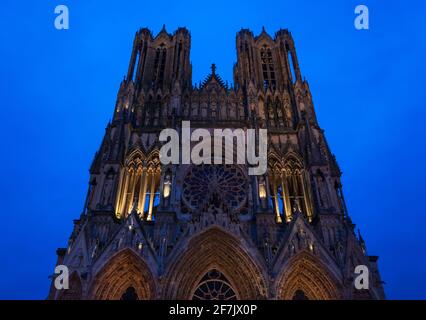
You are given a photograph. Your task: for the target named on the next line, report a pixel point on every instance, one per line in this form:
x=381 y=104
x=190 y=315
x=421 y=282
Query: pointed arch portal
x=306 y=278
x=125 y=276
x=215 y=265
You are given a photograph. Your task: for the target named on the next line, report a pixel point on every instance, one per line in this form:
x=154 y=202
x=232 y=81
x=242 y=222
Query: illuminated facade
x=153 y=231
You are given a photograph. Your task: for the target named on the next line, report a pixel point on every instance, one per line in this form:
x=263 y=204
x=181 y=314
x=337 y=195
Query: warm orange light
x=262 y=191
x=166 y=189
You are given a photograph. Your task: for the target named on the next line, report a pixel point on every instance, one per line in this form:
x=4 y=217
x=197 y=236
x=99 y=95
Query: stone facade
x=153 y=231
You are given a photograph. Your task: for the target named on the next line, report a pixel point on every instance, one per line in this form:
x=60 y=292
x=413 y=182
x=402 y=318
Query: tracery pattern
x=214 y=286
x=206 y=182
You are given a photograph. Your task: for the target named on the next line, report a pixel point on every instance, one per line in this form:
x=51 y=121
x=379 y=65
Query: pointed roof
x=213 y=77
x=163 y=34
x=264 y=36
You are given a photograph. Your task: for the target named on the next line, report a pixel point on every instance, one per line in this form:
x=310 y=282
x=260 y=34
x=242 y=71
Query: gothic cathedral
x=186 y=231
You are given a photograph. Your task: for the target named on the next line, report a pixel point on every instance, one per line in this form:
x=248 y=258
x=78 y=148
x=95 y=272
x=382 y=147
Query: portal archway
x=306 y=274
x=221 y=252
x=123 y=271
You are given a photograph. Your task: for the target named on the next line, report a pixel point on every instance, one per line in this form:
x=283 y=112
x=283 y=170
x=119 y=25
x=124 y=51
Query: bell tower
x=158 y=62
x=266 y=62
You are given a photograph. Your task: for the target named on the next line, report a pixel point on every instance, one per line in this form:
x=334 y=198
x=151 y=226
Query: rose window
x=214 y=286
x=209 y=184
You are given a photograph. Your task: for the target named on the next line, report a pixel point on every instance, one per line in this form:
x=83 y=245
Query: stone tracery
x=205 y=183
x=290 y=190
x=214 y=286
x=139 y=185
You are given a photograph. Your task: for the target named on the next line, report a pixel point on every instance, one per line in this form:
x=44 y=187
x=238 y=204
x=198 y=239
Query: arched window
x=291 y=67
x=268 y=69
x=135 y=67
x=214 y=286
x=291 y=64
x=139 y=186
x=159 y=65
x=156 y=113
x=295 y=181
x=340 y=197
x=290 y=190
x=178 y=62
x=275 y=114
x=152 y=200
x=280 y=195
x=280 y=113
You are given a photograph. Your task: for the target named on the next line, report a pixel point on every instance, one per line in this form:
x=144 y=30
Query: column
x=287 y=203
x=151 y=197
x=304 y=179
x=124 y=193
x=142 y=192
x=277 y=206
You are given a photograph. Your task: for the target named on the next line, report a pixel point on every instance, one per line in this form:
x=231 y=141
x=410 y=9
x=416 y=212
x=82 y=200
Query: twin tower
x=186 y=231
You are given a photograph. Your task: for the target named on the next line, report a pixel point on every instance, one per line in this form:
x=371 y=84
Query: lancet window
x=290 y=191
x=139 y=187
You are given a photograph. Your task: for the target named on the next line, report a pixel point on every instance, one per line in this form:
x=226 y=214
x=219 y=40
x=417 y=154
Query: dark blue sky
x=58 y=89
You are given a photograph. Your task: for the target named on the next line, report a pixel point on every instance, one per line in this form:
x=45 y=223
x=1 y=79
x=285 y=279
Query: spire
x=213 y=76
x=362 y=242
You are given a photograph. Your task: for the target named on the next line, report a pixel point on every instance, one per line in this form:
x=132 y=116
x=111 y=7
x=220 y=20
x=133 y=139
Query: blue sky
x=58 y=89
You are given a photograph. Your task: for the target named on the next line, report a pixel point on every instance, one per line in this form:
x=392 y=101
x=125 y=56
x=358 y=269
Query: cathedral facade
x=186 y=231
